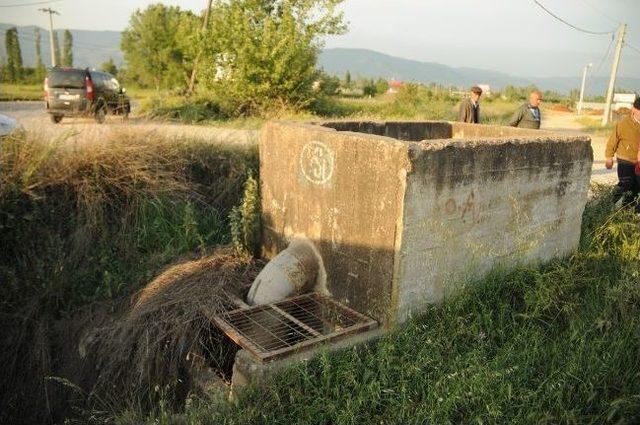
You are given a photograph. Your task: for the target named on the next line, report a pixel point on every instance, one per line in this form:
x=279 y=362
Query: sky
x=512 y=36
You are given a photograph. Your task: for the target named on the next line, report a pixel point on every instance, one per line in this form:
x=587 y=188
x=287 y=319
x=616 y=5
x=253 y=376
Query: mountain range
x=92 y=48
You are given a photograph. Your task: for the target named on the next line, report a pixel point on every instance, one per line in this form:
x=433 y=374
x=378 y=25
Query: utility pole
x=584 y=81
x=51 y=12
x=205 y=24
x=614 y=72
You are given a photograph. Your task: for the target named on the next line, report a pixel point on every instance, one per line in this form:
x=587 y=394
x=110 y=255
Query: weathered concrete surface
x=401 y=221
x=248 y=371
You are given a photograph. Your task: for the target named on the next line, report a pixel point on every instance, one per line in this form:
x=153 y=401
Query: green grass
x=92 y=222
x=414 y=104
x=552 y=344
x=592 y=125
x=14 y=92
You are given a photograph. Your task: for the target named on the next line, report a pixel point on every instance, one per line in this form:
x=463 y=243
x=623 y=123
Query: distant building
x=623 y=100
x=486 y=89
x=394 y=86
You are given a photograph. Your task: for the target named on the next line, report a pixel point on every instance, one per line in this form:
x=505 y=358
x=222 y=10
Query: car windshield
x=66 y=79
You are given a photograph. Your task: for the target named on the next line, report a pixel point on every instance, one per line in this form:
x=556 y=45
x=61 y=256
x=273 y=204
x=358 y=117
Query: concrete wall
x=474 y=205
x=401 y=221
x=344 y=193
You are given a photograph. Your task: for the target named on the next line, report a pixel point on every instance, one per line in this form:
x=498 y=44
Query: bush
x=245 y=220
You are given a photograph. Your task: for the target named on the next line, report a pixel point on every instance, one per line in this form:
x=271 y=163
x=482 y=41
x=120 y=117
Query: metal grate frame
x=296 y=324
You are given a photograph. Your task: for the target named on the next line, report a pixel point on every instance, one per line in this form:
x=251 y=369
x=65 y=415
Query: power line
x=570 y=24
x=614 y=20
x=606 y=55
x=30 y=4
x=632 y=47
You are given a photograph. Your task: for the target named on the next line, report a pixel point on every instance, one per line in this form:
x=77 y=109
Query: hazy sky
x=513 y=36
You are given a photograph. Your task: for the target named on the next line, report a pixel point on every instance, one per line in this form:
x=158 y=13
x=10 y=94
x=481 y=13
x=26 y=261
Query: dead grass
x=91 y=222
x=151 y=349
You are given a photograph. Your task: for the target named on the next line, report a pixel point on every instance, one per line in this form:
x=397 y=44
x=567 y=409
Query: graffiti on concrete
x=317 y=162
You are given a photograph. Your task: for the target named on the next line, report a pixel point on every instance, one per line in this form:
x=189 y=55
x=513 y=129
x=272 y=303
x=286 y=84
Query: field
x=110 y=236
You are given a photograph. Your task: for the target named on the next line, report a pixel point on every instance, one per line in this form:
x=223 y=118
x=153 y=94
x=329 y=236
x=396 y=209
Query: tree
x=56 y=48
x=13 y=68
x=159 y=46
x=262 y=53
x=110 y=67
x=382 y=86
x=369 y=88
x=347 y=79
x=40 y=69
x=67 y=48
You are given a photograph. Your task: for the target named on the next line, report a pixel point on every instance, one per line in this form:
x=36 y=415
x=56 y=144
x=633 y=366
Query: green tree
x=56 y=48
x=159 y=46
x=110 y=67
x=67 y=48
x=347 y=79
x=40 y=69
x=382 y=86
x=262 y=53
x=13 y=68
x=369 y=88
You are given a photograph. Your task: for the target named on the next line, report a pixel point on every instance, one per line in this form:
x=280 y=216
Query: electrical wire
x=30 y=4
x=614 y=20
x=606 y=55
x=570 y=24
x=632 y=47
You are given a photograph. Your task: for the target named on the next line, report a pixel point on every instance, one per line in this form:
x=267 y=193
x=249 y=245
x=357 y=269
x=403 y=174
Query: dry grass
x=151 y=349
x=90 y=222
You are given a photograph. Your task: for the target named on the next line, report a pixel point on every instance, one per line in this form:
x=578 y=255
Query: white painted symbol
x=316 y=163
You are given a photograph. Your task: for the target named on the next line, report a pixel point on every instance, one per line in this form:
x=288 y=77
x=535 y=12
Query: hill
x=90 y=48
x=372 y=64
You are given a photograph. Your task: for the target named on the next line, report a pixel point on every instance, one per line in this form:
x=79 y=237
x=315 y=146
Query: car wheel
x=101 y=114
x=55 y=118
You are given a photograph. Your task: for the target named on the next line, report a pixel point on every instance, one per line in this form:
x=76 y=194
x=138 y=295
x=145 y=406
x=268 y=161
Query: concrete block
x=403 y=212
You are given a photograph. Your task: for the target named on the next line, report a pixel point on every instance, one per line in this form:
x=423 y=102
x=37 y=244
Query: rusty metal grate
x=274 y=330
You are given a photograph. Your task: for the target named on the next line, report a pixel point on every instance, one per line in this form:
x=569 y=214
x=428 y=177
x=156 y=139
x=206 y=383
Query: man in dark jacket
x=470 y=108
x=528 y=115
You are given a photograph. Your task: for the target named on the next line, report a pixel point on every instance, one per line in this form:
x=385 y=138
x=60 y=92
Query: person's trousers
x=628 y=184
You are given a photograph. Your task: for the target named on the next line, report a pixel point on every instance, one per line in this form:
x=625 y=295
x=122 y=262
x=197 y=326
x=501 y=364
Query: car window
x=66 y=78
x=114 y=84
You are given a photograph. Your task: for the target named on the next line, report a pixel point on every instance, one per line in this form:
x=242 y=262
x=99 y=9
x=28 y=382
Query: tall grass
x=81 y=223
x=553 y=344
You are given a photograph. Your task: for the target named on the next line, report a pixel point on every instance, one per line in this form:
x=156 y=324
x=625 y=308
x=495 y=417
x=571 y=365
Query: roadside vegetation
x=557 y=343
x=92 y=222
x=112 y=249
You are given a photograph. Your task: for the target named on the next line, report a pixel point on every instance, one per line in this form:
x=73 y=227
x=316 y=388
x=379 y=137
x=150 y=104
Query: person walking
x=623 y=143
x=470 y=107
x=528 y=115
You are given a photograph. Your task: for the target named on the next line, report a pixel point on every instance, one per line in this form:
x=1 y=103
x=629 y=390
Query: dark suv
x=72 y=92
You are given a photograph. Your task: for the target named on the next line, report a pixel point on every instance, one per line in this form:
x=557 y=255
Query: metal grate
x=274 y=330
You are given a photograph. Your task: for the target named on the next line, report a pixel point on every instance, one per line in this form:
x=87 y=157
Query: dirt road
x=32 y=116
x=565 y=122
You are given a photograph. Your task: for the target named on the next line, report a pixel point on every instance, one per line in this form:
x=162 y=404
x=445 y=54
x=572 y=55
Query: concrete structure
x=404 y=212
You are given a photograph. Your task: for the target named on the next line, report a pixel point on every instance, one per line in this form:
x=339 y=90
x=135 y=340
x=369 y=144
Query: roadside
x=569 y=122
x=33 y=118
